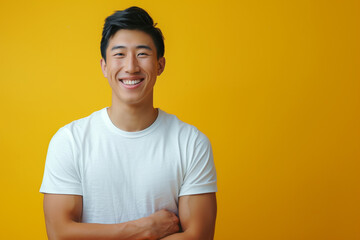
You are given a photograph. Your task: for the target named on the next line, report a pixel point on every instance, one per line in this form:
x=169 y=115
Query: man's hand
x=164 y=223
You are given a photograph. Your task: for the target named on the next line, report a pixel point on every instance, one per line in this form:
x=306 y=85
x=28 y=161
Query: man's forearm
x=158 y=225
x=139 y=229
x=177 y=236
x=186 y=236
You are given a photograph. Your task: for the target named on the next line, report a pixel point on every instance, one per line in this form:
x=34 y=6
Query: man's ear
x=103 y=67
x=161 y=67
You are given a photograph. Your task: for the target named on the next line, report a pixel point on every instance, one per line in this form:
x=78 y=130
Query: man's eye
x=119 y=54
x=143 y=54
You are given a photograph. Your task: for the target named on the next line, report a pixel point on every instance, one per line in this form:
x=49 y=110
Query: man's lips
x=131 y=78
x=131 y=81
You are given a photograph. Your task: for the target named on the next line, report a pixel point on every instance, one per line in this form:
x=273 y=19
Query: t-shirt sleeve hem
x=67 y=191
x=198 y=189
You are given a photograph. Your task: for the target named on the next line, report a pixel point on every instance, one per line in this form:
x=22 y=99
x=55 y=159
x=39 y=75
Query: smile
x=131 y=82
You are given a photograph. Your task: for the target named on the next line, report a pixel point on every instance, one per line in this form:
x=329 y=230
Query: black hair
x=132 y=18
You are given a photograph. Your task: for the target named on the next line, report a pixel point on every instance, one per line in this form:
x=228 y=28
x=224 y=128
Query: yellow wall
x=275 y=85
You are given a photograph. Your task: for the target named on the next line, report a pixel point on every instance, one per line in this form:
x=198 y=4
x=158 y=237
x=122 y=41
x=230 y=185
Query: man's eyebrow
x=137 y=47
x=117 y=47
x=144 y=46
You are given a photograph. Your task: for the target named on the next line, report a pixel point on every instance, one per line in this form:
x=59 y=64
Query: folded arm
x=63 y=221
x=197 y=215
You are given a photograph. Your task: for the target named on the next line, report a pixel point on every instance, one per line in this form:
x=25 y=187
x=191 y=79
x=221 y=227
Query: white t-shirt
x=124 y=176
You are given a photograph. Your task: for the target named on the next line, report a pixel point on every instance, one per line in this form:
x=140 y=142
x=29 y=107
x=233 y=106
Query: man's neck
x=132 y=118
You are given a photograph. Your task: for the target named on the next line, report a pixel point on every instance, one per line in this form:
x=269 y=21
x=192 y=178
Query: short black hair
x=132 y=18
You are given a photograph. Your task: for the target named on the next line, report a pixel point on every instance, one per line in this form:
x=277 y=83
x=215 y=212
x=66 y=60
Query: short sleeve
x=200 y=176
x=61 y=175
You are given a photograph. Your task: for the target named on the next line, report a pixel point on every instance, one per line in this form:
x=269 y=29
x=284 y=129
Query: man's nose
x=131 y=64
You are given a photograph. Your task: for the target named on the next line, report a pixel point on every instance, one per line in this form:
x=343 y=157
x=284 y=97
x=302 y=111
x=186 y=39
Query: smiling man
x=130 y=171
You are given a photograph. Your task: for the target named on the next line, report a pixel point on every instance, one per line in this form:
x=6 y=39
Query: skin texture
x=63 y=216
x=132 y=109
x=197 y=216
x=131 y=54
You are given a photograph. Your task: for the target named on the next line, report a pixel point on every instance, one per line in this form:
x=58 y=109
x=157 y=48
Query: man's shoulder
x=184 y=129
x=82 y=124
x=174 y=121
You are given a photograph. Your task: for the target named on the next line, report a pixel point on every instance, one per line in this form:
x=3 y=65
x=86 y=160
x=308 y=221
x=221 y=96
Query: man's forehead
x=131 y=39
x=136 y=46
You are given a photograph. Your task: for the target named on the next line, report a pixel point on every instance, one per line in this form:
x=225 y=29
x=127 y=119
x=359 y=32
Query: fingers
x=165 y=223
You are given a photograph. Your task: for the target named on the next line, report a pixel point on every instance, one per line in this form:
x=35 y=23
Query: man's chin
x=129 y=101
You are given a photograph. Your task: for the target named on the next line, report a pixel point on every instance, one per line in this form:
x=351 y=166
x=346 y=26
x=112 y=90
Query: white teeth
x=131 y=82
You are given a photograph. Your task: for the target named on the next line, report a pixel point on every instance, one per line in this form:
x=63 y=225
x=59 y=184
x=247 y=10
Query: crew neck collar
x=136 y=134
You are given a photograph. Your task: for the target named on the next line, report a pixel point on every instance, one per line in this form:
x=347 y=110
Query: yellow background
x=275 y=85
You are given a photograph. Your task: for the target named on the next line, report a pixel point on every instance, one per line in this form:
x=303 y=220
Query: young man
x=130 y=171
